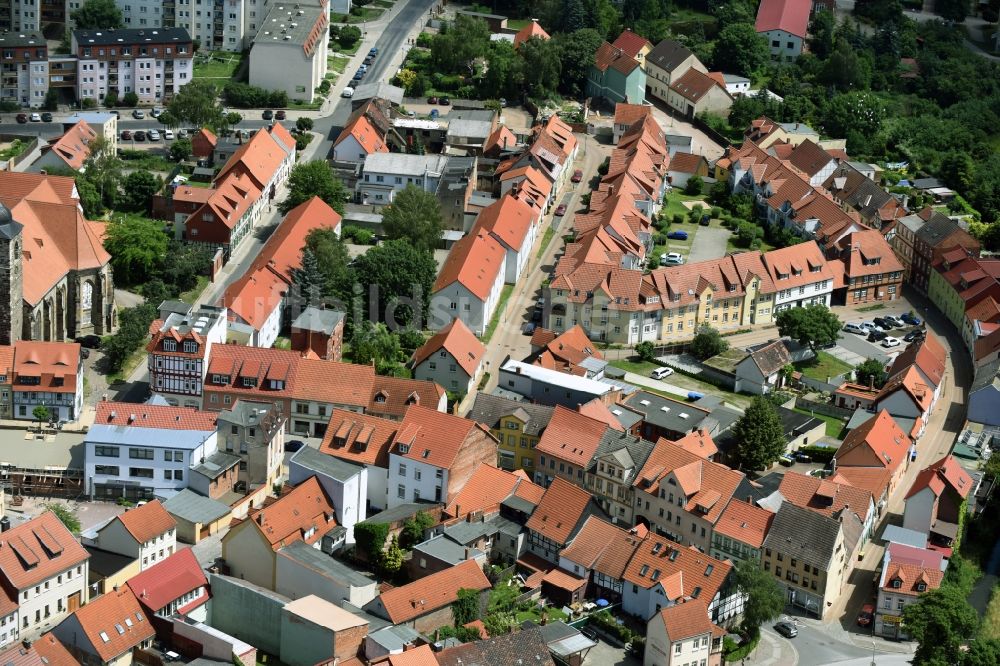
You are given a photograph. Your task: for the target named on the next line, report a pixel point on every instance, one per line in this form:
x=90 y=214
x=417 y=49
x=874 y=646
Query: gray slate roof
x=652 y=406
x=318 y=321
x=804 y=534
x=216 y=464
x=394 y=638
x=937 y=229
x=489 y=409
x=384 y=91
x=668 y=54
x=466 y=532
x=986 y=376
x=194 y=508
x=325 y=565
x=446 y=550
x=629 y=452
x=335 y=468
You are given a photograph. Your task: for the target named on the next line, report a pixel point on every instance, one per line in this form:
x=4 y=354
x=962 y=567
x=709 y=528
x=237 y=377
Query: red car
x=577 y=176
x=866 y=615
x=561 y=210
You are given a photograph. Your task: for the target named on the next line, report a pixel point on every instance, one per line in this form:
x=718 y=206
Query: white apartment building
x=801 y=276
x=147 y=533
x=45 y=568
x=385 y=174
x=153 y=63
x=24 y=68
x=290 y=49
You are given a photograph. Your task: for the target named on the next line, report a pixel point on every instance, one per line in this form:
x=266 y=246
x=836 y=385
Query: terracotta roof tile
x=945 y=473
x=563 y=580
x=391 y=397
x=792 y=16
x=571 y=436
x=744 y=522
x=797 y=265
x=683 y=572
x=169 y=580
x=430 y=593
x=878 y=442
x=289 y=518
x=433 y=437
x=485 y=490
x=699 y=443
x=560 y=511
x=459 y=342
x=147 y=522
x=824 y=496
x=629 y=114
x=686 y=620
x=474 y=262
x=911 y=577
x=873 y=479
x=603 y=547
x=118 y=616
x=46 y=651
x=529 y=31
x=133 y=415
x=610 y=56
x=73 y=146
x=370 y=140
x=693 y=85
x=686 y=162
x=52 y=366
x=359 y=438
x=631 y=43
x=28 y=551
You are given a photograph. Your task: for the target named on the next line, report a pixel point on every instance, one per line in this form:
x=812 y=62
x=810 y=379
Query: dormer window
x=277 y=385
x=404 y=448
x=190 y=347
x=380 y=398
x=222 y=380
x=921 y=587
x=249 y=382
x=897 y=583
x=169 y=345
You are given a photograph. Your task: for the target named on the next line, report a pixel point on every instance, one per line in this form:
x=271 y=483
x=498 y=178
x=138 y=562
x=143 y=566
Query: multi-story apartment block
x=800 y=275
x=872 y=272
x=255 y=431
x=154 y=63
x=179 y=351
x=289 y=52
x=24 y=68
x=21 y=15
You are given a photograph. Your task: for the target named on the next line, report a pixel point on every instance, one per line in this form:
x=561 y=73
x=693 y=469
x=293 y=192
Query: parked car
x=786 y=460
x=444 y=101
x=577 y=176
x=369 y=60
x=884 y=323
x=126 y=135
x=347 y=92
x=705 y=219
x=560 y=210
x=154 y=135
x=138 y=114
x=802 y=457
x=168 y=135
x=528 y=328
x=910 y=319
x=503 y=102
x=156 y=112
x=373 y=51
x=182 y=133
x=678 y=235
x=660 y=373
x=892 y=319
x=139 y=135
x=35 y=118
x=869 y=326
x=357 y=77
x=866 y=615
x=268 y=114
x=876 y=336
x=91 y=341
x=432 y=100
x=293 y=445
x=46 y=117
x=363 y=68
x=280 y=114
x=22 y=118
x=671 y=259
x=855 y=328
x=891 y=342
x=915 y=334
x=786 y=629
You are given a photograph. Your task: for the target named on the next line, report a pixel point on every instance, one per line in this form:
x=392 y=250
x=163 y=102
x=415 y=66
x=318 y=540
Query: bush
x=607 y=623
x=245 y=96
x=822 y=454
x=715 y=212
x=370 y=539
x=694 y=186
x=742 y=652
x=357 y=235
x=645 y=351
x=348 y=36
x=130 y=100
x=111 y=99
x=424 y=40
x=602 y=169
x=89 y=103
x=678 y=218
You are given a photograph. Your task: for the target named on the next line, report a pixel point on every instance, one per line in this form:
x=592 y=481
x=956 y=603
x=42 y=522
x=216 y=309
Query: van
x=660 y=373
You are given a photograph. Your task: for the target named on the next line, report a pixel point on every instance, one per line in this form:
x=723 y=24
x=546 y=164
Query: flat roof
x=288 y=23
x=554 y=377
x=216 y=464
x=194 y=508
x=335 y=468
x=322 y=612
x=326 y=565
x=105 y=563
x=161 y=438
x=64 y=450
x=447 y=550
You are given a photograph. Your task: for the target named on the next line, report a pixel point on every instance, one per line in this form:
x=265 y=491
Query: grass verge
x=219 y=65
x=872 y=308
x=192 y=295
x=337 y=63
x=129 y=366
x=365 y=14
x=508 y=289
x=546 y=239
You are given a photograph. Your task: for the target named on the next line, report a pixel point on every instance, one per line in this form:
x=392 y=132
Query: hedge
x=823 y=454
x=743 y=651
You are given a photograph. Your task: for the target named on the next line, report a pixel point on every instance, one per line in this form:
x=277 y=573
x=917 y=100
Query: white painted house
x=386 y=174
x=470 y=283
x=682 y=635
x=514 y=224
x=801 y=276
x=783 y=23
x=453 y=358
x=345 y=483
x=147 y=533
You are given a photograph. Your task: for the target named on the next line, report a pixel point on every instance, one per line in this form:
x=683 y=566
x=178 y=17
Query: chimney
x=468 y=551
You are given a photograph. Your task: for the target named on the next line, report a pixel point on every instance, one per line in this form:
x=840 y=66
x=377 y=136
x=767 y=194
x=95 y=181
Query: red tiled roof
x=699 y=443
x=38 y=550
x=391 y=397
x=694 y=85
x=434 y=437
x=946 y=472
x=744 y=522
x=601 y=546
x=46 y=651
x=486 y=489
x=571 y=436
x=910 y=381
x=53 y=364
x=824 y=496
x=102 y=618
x=365 y=134
x=147 y=522
x=459 y=342
x=430 y=593
x=560 y=511
x=134 y=415
x=873 y=479
x=911 y=577
x=797 y=265
x=863 y=249
x=418 y=656
x=286 y=520
x=683 y=572
x=359 y=438
x=686 y=620
x=563 y=580
x=629 y=114
x=73 y=146
x=169 y=580
x=475 y=262
x=686 y=162
x=532 y=29
x=632 y=44
x=610 y=56
x=792 y=16
x=878 y=442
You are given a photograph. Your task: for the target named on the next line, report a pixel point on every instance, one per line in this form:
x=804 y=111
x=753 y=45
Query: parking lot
x=855 y=348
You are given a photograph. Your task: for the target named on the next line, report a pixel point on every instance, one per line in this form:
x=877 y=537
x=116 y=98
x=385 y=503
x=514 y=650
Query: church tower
x=11 y=278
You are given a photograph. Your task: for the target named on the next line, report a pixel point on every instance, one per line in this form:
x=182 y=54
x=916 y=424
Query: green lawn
x=508 y=289
x=834 y=426
x=219 y=65
x=384 y=4
x=351 y=50
x=674 y=203
x=535 y=616
x=15 y=148
x=364 y=14
x=308 y=106
x=337 y=63
x=550 y=232
x=823 y=366
x=633 y=364
x=517 y=24
x=194 y=293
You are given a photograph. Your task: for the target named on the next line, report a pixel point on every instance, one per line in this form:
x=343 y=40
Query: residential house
x=935 y=503
x=929 y=358
x=683 y=634
x=879 y=443
x=147 y=533
x=571 y=352
x=626 y=115
x=829 y=498
x=487 y=489
x=903 y=240
x=855 y=396
x=301 y=571
x=197 y=516
x=853 y=187
x=439 y=553
x=872 y=272
x=359 y=139
x=203 y=143
x=45 y=573
x=960 y=283
x=517 y=426
x=981 y=320
x=529 y=182
x=558 y=518
x=345 y=484
x=551 y=387
x=682 y=495
x=363 y=440
x=531 y=30
x=320 y=332
x=908 y=399
x=304 y=513
x=568 y=446
x=811 y=555
x=616 y=76
x=600 y=553
x=763 y=132
x=469 y=283
x=801 y=276
x=266 y=297
x=695 y=93
x=426 y=604
x=684 y=165
x=938 y=234
x=635 y=46
x=175 y=585
x=68 y=151
x=48 y=375
x=610 y=473
x=46 y=651
x=809 y=158
x=107 y=630
x=26 y=51
x=254 y=431
x=901 y=583
x=663 y=573
x=386 y=174
x=740 y=532
x=434 y=455
x=528 y=643
x=138 y=451
x=294 y=60
x=761 y=371
x=660 y=417
x=665 y=63
x=179 y=349
x=216 y=476
x=784 y=24
x=513 y=223
x=452 y=357
x=106 y=570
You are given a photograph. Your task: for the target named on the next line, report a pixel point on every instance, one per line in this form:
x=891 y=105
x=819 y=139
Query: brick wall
x=480 y=447
x=426 y=624
x=347 y=643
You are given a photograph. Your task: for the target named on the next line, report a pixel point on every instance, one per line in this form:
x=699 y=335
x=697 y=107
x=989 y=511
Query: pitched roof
x=430 y=593
x=73 y=146
x=459 y=342
x=287 y=519
x=668 y=54
x=927 y=355
x=684 y=572
x=508 y=219
x=682 y=162
x=686 y=620
x=486 y=489
x=808 y=157
x=564 y=352
x=694 y=85
x=571 y=436
x=698 y=442
x=910 y=382
x=51 y=365
x=631 y=43
x=474 y=262
x=532 y=29
x=945 y=473
x=611 y=56
x=873 y=479
x=797 y=265
x=114 y=623
x=911 y=577
x=867 y=252
x=805 y=534
x=359 y=438
x=628 y=114
x=488 y=409
x=527 y=646
x=168 y=580
x=878 y=442
x=46 y=651
x=770 y=357
x=365 y=134
x=165 y=417
x=823 y=495
x=562 y=507
x=792 y=16
x=432 y=437
x=419 y=656
x=392 y=396
x=601 y=546
x=147 y=522
x=744 y=522
x=37 y=550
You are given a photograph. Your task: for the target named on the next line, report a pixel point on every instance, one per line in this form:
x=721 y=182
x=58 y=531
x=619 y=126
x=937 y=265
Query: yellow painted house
x=517 y=426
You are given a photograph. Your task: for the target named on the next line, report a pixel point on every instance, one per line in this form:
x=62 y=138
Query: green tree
x=455 y=49
x=940 y=621
x=90 y=197
x=505 y=74
x=103 y=168
x=333 y=260
x=576 y=56
x=137 y=246
x=374 y=344
x=98 y=15
x=871 y=372
x=181 y=150
x=398 y=279
x=694 y=185
x=952 y=10
x=813 y=325
x=111 y=98
x=304 y=124
x=66 y=516
x=645 y=351
x=846 y=69
x=541 y=66
x=196 y=104
x=415 y=216
x=130 y=100
x=314 y=179
x=759 y=435
x=392 y=559
x=466 y=606
x=741 y=50
x=167 y=120
x=764 y=598
x=349 y=36
x=414 y=529
x=369 y=539
x=707 y=343
x=41 y=414
x=51 y=102
x=138 y=189
x=981 y=652
x=308 y=280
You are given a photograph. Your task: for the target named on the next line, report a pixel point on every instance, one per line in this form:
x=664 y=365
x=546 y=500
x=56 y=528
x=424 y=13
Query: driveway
x=861 y=349
x=605 y=654
x=708 y=243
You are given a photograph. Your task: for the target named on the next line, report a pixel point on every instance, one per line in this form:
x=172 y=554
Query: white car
x=182 y=134
x=156 y=112
x=891 y=342
x=154 y=135
x=168 y=135
x=348 y=92
x=660 y=373
x=36 y=118
x=671 y=259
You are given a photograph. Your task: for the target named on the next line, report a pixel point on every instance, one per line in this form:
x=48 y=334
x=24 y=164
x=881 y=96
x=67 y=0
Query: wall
x=246 y=613
x=55 y=596
x=446 y=372
x=295 y=580
x=824 y=408
x=249 y=556
x=348 y=497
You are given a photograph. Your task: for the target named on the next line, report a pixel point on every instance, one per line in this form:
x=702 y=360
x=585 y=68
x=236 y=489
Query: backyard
x=685 y=382
x=823 y=366
x=217 y=65
x=834 y=426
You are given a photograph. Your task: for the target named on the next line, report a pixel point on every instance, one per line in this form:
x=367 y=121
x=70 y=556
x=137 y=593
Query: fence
x=820 y=385
x=824 y=408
